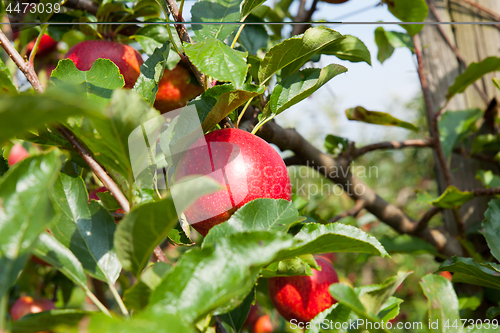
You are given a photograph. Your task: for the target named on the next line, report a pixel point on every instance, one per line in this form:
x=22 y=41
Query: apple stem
x=118 y=299
x=37 y=43
x=243 y=112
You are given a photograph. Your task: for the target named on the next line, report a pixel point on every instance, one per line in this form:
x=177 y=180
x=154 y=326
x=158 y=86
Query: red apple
x=93 y=194
x=176 y=88
x=125 y=57
x=447 y=275
x=304 y=297
x=25 y=305
x=263 y=325
x=17 y=154
x=253 y=316
x=247 y=166
x=331 y=257
x=46 y=46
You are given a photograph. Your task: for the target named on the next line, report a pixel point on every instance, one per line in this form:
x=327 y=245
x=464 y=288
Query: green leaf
x=387 y=41
x=253 y=37
x=151 y=72
x=108 y=201
x=298 y=86
x=337 y=313
x=455 y=125
x=137 y=296
x=50 y=250
x=374 y=297
x=259 y=214
x=237 y=317
x=468 y=271
x=37 y=110
x=25 y=211
x=409 y=11
x=218 y=60
x=4 y=164
x=491 y=227
x=496 y=83
x=390 y=309
x=6 y=83
x=442 y=302
x=316 y=238
x=346 y=296
x=215 y=11
x=219 y=101
x=141 y=322
x=295 y=51
x=217 y=278
x=486 y=142
x=85 y=228
x=47 y=320
x=452 y=197
x=336 y=144
x=350 y=48
x=98 y=82
x=488 y=178
x=148 y=44
x=407 y=244
x=287 y=267
x=474 y=72
x=110 y=134
x=385 y=48
x=141 y=231
x=378 y=118
x=247 y=6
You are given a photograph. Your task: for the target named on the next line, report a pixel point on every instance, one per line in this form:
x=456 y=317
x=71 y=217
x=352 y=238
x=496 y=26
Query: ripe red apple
x=303 y=297
x=46 y=46
x=125 y=57
x=176 y=88
x=331 y=257
x=247 y=166
x=263 y=325
x=25 y=305
x=17 y=154
x=447 y=275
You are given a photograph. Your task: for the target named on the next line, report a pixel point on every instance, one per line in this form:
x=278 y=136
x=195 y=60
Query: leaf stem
x=262 y=123
x=243 y=112
x=3 y=311
x=181 y=6
x=98 y=303
x=237 y=35
x=37 y=43
x=118 y=299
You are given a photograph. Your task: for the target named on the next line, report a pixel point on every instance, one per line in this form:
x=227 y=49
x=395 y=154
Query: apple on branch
x=26 y=305
x=302 y=298
x=247 y=166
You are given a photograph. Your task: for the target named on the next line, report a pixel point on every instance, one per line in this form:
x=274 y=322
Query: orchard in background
x=112 y=221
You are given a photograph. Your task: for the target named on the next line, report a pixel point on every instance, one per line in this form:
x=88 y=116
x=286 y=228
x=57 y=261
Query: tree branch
x=303 y=16
x=433 y=125
x=391 y=145
x=484 y=9
x=424 y=220
x=338 y=170
x=219 y=328
x=354 y=211
x=23 y=65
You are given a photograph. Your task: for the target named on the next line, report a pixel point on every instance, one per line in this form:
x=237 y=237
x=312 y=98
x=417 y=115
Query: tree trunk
x=475 y=43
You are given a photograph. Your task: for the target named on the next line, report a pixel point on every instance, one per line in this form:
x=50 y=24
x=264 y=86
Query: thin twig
x=457 y=53
x=486 y=192
x=23 y=65
x=160 y=256
x=424 y=220
x=392 y=145
x=433 y=125
x=354 y=211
